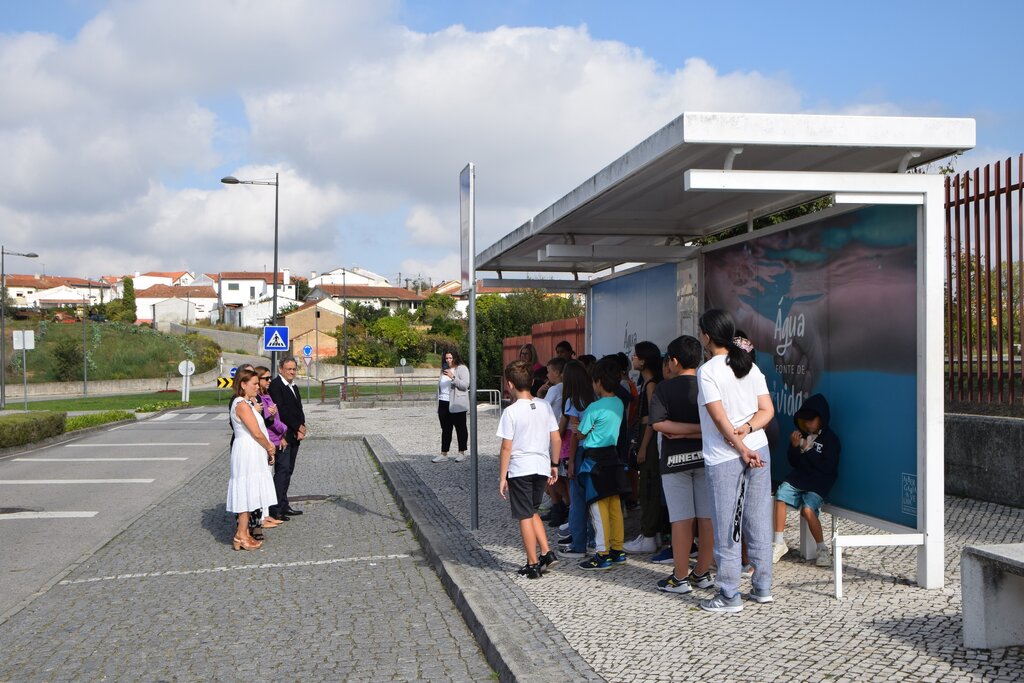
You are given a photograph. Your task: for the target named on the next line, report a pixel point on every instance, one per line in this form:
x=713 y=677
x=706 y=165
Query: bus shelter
x=847 y=301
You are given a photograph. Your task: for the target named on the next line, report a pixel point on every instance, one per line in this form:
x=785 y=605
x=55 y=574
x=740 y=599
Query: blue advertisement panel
x=635 y=307
x=831 y=307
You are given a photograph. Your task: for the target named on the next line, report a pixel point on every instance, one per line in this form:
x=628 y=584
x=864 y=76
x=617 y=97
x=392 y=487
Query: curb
x=519 y=642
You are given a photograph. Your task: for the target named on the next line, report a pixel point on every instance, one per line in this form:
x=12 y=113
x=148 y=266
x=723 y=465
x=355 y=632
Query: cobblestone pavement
x=341 y=593
x=885 y=629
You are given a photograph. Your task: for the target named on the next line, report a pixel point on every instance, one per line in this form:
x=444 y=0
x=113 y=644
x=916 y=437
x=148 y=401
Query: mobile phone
x=444 y=364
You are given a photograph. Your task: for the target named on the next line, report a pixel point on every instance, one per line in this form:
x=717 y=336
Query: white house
x=25 y=290
x=200 y=301
x=391 y=298
x=180 y=278
x=254 y=315
x=349 y=276
x=243 y=288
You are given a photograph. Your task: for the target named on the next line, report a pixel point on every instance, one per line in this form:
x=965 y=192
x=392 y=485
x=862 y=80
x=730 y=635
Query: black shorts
x=525 y=494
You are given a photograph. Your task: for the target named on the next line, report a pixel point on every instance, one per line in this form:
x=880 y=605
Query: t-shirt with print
x=601 y=421
x=676 y=400
x=554 y=399
x=528 y=424
x=717 y=382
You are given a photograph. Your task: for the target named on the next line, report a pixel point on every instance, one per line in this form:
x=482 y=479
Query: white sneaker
x=747 y=571
x=641 y=544
x=564 y=528
x=778 y=550
x=440 y=458
x=824 y=558
x=461 y=456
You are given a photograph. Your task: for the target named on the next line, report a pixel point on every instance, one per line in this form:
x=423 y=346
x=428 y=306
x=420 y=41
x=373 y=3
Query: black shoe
x=292 y=511
x=530 y=571
x=547 y=560
x=281 y=517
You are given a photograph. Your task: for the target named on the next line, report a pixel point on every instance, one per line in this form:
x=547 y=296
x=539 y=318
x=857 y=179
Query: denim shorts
x=795 y=498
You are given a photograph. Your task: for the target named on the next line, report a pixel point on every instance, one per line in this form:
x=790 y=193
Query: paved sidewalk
x=886 y=628
x=341 y=593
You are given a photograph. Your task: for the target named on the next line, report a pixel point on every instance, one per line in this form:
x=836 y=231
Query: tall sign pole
x=467 y=224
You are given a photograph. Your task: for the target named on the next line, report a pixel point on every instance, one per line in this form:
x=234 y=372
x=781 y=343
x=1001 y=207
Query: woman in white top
x=735 y=407
x=250 y=485
x=452 y=405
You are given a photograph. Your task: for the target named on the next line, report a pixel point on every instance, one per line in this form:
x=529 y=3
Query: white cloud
x=118 y=136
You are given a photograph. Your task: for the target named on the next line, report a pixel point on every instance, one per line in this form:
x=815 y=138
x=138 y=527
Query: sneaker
x=641 y=544
x=564 y=540
x=547 y=560
x=461 y=457
x=440 y=458
x=720 y=603
x=617 y=556
x=778 y=550
x=761 y=595
x=598 y=561
x=570 y=554
x=530 y=571
x=674 y=585
x=663 y=556
x=824 y=558
x=564 y=529
x=704 y=580
x=747 y=571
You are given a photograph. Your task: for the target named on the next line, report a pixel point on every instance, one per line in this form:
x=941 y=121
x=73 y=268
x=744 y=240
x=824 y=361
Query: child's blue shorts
x=795 y=498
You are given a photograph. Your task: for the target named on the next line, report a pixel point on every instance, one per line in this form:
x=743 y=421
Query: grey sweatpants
x=723 y=487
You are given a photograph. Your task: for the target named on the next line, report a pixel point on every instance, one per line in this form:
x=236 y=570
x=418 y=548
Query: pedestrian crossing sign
x=275 y=338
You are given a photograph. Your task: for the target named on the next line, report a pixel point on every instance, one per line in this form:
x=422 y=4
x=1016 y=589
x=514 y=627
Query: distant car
x=98 y=317
x=62 y=317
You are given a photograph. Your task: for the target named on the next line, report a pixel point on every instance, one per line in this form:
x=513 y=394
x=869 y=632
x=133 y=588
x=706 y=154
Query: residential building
x=25 y=291
x=241 y=288
x=180 y=278
x=304 y=327
x=349 y=276
x=392 y=299
x=199 y=300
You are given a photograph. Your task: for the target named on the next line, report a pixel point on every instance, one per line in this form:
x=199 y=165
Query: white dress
x=251 y=485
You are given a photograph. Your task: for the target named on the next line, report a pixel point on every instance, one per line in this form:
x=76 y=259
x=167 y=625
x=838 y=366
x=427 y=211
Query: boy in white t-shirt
x=530 y=447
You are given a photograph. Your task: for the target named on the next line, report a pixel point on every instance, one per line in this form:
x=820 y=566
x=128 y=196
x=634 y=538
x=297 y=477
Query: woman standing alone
x=452 y=405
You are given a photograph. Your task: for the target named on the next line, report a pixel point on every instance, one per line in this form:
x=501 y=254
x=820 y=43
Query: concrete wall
x=15 y=393
x=983 y=458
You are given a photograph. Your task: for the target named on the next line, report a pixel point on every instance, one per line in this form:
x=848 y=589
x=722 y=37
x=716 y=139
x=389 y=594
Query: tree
x=124 y=311
x=301 y=288
x=399 y=335
x=499 y=317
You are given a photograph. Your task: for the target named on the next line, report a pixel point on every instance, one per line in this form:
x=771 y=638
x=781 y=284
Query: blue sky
x=124 y=115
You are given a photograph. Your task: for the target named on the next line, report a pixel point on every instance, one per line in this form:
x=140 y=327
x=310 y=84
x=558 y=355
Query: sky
x=118 y=118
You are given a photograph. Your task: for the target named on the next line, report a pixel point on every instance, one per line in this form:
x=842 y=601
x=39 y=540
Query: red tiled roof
x=168 y=291
x=243 y=275
x=50 y=281
x=368 y=292
x=173 y=276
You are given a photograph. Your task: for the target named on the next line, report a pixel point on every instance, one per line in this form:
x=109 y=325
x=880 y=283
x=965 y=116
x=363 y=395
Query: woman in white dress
x=251 y=486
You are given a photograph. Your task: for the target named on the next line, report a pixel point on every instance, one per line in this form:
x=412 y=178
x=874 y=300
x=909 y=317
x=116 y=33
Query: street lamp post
x=344 y=333
x=231 y=180
x=3 y=320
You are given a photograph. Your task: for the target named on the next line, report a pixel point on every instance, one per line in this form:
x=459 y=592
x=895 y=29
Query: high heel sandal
x=242 y=544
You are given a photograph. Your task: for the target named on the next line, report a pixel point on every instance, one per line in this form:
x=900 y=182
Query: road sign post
x=186 y=369
x=25 y=340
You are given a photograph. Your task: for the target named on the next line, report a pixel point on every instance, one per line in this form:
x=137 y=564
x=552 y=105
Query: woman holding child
x=735 y=407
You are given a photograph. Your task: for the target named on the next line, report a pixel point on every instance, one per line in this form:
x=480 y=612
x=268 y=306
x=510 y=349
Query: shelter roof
x=636 y=210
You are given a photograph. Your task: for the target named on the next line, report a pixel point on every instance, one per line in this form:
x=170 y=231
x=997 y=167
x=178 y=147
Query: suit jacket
x=289 y=405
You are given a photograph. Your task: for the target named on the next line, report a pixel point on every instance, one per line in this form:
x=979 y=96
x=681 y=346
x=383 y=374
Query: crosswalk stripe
x=46 y=515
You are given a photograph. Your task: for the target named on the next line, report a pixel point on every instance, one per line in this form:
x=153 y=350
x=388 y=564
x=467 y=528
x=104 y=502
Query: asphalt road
x=60 y=503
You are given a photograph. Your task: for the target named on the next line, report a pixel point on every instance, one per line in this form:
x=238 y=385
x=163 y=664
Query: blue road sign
x=232 y=373
x=275 y=338
x=307 y=350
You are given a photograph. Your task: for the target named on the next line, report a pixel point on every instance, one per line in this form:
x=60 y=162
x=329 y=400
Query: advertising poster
x=635 y=307
x=831 y=307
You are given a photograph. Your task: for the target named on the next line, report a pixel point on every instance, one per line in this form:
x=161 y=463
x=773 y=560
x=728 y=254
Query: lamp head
x=229 y=180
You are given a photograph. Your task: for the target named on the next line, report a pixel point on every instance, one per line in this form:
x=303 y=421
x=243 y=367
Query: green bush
x=95 y=419
x=161 y=405
x=24 y=428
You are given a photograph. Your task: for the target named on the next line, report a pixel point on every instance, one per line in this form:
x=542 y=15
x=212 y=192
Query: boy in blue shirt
x=602 y=472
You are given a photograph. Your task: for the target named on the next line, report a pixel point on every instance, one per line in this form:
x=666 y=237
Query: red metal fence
x=544 y=337
x=984 y=267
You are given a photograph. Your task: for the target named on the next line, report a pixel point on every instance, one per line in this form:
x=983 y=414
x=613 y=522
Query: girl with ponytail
x=735 y=407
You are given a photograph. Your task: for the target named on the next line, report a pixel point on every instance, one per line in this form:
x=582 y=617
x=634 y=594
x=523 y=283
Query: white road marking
x=213 y=570
x=76 y=481
x=93 y=459
x=131 y=445
x=45 y=515
x=161 y=418
x=193 y=417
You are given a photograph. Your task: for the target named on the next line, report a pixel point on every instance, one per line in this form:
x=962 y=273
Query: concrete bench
x=992 y=588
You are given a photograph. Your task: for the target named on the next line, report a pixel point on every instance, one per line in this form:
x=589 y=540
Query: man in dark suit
x=285 y=394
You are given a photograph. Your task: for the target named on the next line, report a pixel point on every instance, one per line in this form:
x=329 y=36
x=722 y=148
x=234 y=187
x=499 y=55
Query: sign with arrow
x=275 y=338
x=225 y=382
